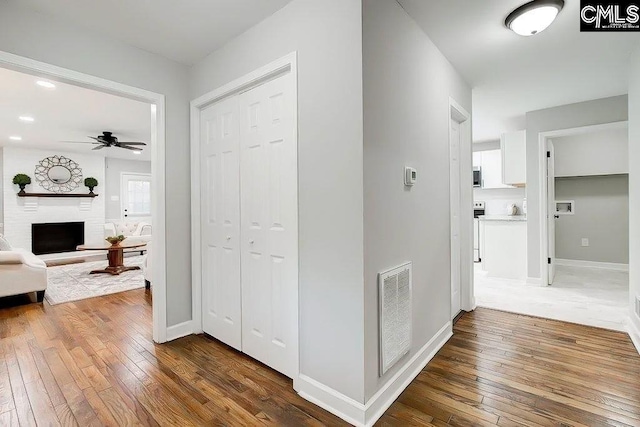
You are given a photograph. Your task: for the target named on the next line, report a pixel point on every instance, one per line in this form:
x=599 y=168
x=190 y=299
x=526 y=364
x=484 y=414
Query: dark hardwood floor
x=93 y=362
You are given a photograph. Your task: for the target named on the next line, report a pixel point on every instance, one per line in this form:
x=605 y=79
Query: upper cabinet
x=490 y=163
x=514 y=158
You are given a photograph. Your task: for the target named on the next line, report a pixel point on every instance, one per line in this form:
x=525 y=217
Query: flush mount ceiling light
x=45 y=84
x=533 y=17
x=15 y=138
x=26 y=118
x=137 y=152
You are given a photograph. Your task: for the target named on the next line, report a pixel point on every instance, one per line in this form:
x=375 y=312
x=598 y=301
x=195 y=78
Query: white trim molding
x=633 y=328
x=592 y=264
x=180 y=330
x=367 y=414
x=157 y=117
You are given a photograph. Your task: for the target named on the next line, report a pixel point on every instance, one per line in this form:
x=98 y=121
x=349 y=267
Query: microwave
x=477 y=176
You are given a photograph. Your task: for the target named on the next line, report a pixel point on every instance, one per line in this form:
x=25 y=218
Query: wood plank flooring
x=93 y=362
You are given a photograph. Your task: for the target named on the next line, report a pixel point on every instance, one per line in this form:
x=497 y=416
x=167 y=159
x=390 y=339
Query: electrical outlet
x=585 y=242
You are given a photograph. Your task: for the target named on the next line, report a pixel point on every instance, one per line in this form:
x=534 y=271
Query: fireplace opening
x=58 y=237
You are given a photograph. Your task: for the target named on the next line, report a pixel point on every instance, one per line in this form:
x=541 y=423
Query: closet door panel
x=269 y=225
x=220 y=222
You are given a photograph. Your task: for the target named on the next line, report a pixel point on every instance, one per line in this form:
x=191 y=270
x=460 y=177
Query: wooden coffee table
x=115 y=255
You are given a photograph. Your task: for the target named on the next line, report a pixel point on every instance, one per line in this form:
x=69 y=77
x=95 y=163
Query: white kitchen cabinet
x=503 y=245
x=491 y=168
x=513 y=146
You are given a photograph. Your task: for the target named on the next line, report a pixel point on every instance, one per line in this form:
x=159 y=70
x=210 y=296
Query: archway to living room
x=82 y=192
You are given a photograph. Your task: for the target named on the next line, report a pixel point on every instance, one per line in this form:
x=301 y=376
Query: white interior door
x=135 y=196
x=220 y=222
x=454 y=184
x=269 y=239
x=551 y=211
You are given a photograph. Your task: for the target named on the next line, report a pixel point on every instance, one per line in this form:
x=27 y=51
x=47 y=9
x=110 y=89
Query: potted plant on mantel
x=22 y=181
x=91 y=182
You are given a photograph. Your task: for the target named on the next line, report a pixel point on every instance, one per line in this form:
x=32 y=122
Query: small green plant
x=114 y=240
x=91 y=182
x=22 y=181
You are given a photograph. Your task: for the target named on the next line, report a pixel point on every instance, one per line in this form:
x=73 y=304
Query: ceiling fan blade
x=99 y=147
x=129 y=147
x=132 y=143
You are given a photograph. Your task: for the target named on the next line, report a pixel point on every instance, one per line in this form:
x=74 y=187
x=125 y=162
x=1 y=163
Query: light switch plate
x=585 y=242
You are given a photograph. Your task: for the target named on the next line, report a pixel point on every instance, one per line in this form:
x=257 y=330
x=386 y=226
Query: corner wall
x=599 y=111
x=634 y=195
x=46 y=39
x=407 y=85
x=327 y=36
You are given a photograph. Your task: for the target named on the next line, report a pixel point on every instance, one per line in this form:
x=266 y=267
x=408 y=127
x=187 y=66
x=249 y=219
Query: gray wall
x=48 y=40
x=1 y=192
x=327 y=36
x=601 y=214
x=634 y=186
x=599 y=111
x=407 y=85
x=113 y=170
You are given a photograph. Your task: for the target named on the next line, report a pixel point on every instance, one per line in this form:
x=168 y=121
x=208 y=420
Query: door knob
x=556 y=216
x=251 y=242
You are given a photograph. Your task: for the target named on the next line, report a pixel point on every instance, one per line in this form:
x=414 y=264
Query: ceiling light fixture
x=533 y=17
x=45 y=84
x=26 y=119
x=15 y=138
x=137 y=152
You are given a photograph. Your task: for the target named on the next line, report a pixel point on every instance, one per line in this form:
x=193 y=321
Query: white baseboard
x=633 y=327
x=592 y=264
x=367 y=414
x=180 y=330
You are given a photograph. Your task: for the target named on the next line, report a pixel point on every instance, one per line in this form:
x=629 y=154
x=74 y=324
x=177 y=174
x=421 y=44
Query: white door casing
x=220 y=221
x=454 y=201
x=269 y=224
x=551 y=212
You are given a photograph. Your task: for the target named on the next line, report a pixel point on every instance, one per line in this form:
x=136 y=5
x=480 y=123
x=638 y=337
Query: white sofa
x=22 y=272
x=140 y=231
x=146 y=268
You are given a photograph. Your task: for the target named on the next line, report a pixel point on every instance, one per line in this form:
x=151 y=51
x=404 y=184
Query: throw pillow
x=4 y=244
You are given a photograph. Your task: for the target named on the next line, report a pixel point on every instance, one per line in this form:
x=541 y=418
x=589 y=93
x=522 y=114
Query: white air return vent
x=395 y=315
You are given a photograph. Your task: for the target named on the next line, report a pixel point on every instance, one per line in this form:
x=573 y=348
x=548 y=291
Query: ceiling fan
x=108 y=140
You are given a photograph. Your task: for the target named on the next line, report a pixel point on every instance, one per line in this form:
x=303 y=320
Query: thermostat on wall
x=410 y=175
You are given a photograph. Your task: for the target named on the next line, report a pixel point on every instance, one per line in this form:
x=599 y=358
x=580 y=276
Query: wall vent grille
x=395 y=315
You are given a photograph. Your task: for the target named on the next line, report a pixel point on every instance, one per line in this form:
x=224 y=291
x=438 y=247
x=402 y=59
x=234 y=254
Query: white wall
x=407 y=85
x=599 y=111
x=327 y=36
x=111 y=188
x=1 y=192
x=634 y=191
x=596 y=153
x=21 y=212
x=91 y=52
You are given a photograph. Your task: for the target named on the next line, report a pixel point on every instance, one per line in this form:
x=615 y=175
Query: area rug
x=72 y=282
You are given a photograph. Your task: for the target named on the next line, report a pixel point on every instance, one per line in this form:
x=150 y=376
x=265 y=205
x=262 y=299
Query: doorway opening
x=76 y=199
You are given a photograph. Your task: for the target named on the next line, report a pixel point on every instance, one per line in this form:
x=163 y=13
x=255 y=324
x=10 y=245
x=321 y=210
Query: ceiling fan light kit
x=533 y=17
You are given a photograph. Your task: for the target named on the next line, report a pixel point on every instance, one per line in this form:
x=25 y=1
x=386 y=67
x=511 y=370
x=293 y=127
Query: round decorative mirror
x=58 y=174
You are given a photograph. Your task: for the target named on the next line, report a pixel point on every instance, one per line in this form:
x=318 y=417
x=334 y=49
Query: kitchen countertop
x=502 y=218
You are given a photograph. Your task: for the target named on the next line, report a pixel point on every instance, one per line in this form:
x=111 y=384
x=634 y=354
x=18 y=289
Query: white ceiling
x=69 y=113
x=512 y=75
x=185 y=31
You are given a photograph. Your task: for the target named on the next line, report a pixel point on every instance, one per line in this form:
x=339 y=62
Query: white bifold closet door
x=266 y=294
x=220 y=222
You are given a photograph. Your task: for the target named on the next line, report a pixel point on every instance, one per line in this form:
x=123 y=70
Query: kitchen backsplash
x=497 y=199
